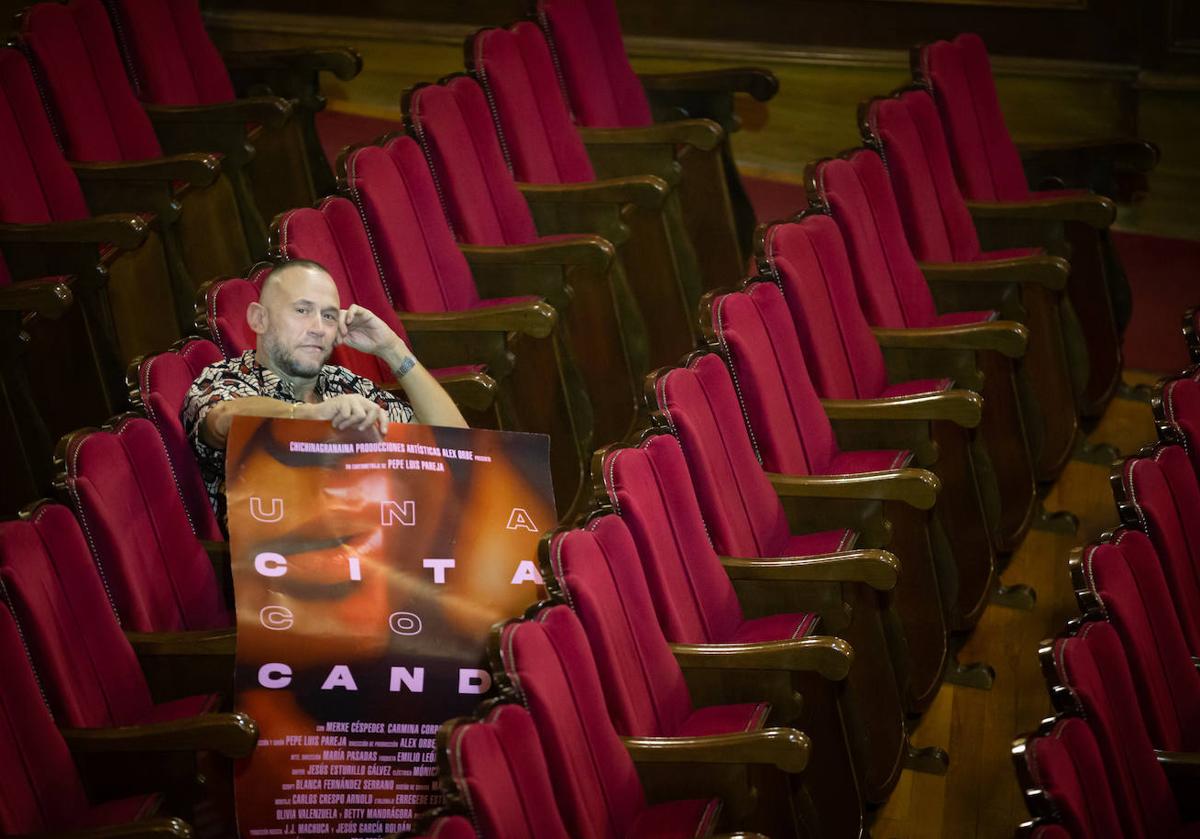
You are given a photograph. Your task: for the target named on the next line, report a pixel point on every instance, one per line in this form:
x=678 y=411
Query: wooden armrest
x=1090 y=209
x=1043 y=270
x=1006 y=337
x=703 y=134
x=179 y=664
x=962 y=407
x=916 y=487
x=264 y=110
x=645 y=191
x=592 y=252
x=823 y=654
x=1183 y=773
x=47 y=296
x=759 y=83
x=124 y=230
x=473 y=391
x=194 y=167
x=232 y=735
x=784 y=748
x=877 y=568
x=534 y=318
x=142 y=829
x=218 y=555
x=198 y=642
x=1130 y=153
x=343 y=62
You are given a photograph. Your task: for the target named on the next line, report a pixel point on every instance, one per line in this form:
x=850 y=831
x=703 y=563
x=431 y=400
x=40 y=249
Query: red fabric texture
x=909 y=132
x=600 y=573
x=1181 y=407
x=450 y=827
x=1069 y=766
x=549 y=662
x=500 y=772
x=603 y=90
x=174 y=61
x=1163 y=492
x=157 y=573
x=36 y=184
x=515 y=69
x=99 y=117
x=1093 y=666
x=744 y=515
x=453 y=124
x=226 y=314
x=1127 y=578
x=163 y=382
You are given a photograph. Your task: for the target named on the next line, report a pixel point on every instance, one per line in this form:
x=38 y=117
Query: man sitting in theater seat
x=298 y=322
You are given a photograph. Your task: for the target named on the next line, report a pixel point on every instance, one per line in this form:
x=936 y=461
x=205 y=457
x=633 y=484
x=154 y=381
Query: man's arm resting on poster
x=346 y=411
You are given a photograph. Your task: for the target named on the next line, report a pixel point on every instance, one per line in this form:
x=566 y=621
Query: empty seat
x=696 y=603
x=516 y=67
x=604 y=92
x=597 y=571
x=1157 y=492
x=906 y=131
x=159 y=384
x=894 y=294
x=1120 y=578
x=450 y=827
x=546 y=663
x=1177 y=414
x=156 y=570
x=43 y=791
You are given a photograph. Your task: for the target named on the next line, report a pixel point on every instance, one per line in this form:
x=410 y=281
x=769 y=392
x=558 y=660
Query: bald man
x=298 y=321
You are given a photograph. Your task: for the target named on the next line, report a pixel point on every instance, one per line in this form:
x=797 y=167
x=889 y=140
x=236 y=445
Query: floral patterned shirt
x=243 y=376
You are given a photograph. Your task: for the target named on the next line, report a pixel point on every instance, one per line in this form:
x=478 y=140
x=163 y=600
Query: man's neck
x=302 y=387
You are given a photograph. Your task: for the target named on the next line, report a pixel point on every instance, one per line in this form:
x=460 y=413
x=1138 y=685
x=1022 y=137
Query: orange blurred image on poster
x=367 y=574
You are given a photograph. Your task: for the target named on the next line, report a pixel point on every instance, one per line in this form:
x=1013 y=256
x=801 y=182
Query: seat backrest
x=743 y=513
x=41 y=787
x=598 y=570
x=907 y=131
x=495 y=767
x=225 y=304
x=171 y=58
x=1178 y=409
x=156 y=571
x=36 y=184
x=986 y=160
x=651 y=488
x=516 y=72
x=589 y=53
x=548 y=662
x=80 y=68
x=453 y=124
x=1092 y=665
x=1158 y=494
x=1125 y=576
x=88 y=671
x=855 y=190
x=423 y=270
x=758 y=338
x=808 y=260
x=332 y=234
x=163 y=380
x=1066 y=764
x=451 y=827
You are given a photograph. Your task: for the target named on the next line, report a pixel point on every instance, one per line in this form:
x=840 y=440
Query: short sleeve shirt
x=235 y=378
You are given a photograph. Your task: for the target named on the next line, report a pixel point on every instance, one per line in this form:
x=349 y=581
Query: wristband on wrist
x=407 y=364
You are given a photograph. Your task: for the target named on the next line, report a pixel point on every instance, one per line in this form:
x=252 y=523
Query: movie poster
x=367 y=574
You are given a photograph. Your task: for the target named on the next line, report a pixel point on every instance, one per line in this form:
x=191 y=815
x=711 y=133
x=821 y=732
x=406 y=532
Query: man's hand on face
x=362 y=330
x=349 y=411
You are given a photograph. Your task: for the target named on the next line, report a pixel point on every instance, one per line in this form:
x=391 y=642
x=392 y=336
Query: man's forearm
x=215 y=430
x=430 y=403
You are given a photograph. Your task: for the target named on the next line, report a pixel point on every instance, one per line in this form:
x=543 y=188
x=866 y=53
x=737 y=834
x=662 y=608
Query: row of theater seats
x=1119 y=758
x=846 y=413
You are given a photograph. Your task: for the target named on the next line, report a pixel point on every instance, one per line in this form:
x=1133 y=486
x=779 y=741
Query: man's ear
x=256 y=317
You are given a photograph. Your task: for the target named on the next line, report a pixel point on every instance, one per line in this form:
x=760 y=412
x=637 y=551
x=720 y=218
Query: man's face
x=299 y=321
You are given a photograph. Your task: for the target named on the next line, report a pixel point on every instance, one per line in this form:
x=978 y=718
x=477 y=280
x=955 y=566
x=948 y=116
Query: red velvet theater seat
x=906 y=131
x=546 y=664
x=1177 y=414
x=1065 y=778
x=1121 y=579
x=1158 y=493
x=158 y=575
x=753 y=330
x=43 y=792
x=160 y=383
x=516 y=68
x=694 y=598
x=597 y=571
x=449 y=827
x=1088 y=675
x=895 y=295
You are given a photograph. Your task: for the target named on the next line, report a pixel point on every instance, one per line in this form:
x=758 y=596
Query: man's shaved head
x=277 y=277
x=296 y=318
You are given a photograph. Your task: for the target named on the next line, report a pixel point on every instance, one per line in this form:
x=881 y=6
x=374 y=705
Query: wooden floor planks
x=979 y=796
